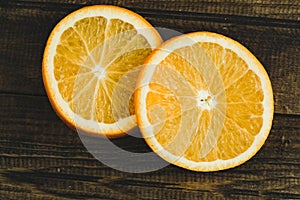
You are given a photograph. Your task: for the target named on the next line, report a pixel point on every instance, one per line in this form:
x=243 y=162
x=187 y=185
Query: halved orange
x=204 y=102
x=86 y=63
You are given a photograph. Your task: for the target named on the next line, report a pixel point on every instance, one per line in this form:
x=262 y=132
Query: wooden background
x=41 y=158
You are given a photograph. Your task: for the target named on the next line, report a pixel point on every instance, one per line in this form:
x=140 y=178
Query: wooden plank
x=25 y=26
x=40 y=157
x=284 y=9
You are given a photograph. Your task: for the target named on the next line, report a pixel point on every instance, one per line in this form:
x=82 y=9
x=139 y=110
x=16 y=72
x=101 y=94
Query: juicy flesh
x=92 y=63
x=204 y=103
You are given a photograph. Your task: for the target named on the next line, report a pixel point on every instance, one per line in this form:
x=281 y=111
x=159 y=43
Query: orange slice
x=204 y=102
x=87 y=55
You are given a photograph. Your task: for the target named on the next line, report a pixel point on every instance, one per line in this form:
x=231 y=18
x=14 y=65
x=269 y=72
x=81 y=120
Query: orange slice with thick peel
x=90 y=65
x=204 y=102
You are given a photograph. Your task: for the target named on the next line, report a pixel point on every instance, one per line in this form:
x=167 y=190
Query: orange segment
x=103 y=111
x=198 y=137
x=85 y=66
x=93 y=36
x=83 y=96
x=177 y=62
x=230 y=66
x=204 y=102
x=247 y=89
x=161 y=104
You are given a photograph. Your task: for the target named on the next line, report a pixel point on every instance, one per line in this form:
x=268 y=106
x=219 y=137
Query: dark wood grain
x=41 y=158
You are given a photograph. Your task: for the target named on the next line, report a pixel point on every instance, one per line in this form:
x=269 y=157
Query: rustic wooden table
x=41 y=158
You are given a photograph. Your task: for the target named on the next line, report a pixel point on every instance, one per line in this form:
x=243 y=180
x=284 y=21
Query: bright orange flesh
x=204 y=103
x=86 y=61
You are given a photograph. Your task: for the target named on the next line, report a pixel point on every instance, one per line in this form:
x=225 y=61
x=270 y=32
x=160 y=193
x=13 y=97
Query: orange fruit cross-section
x=90 y=65
x=204 y=102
